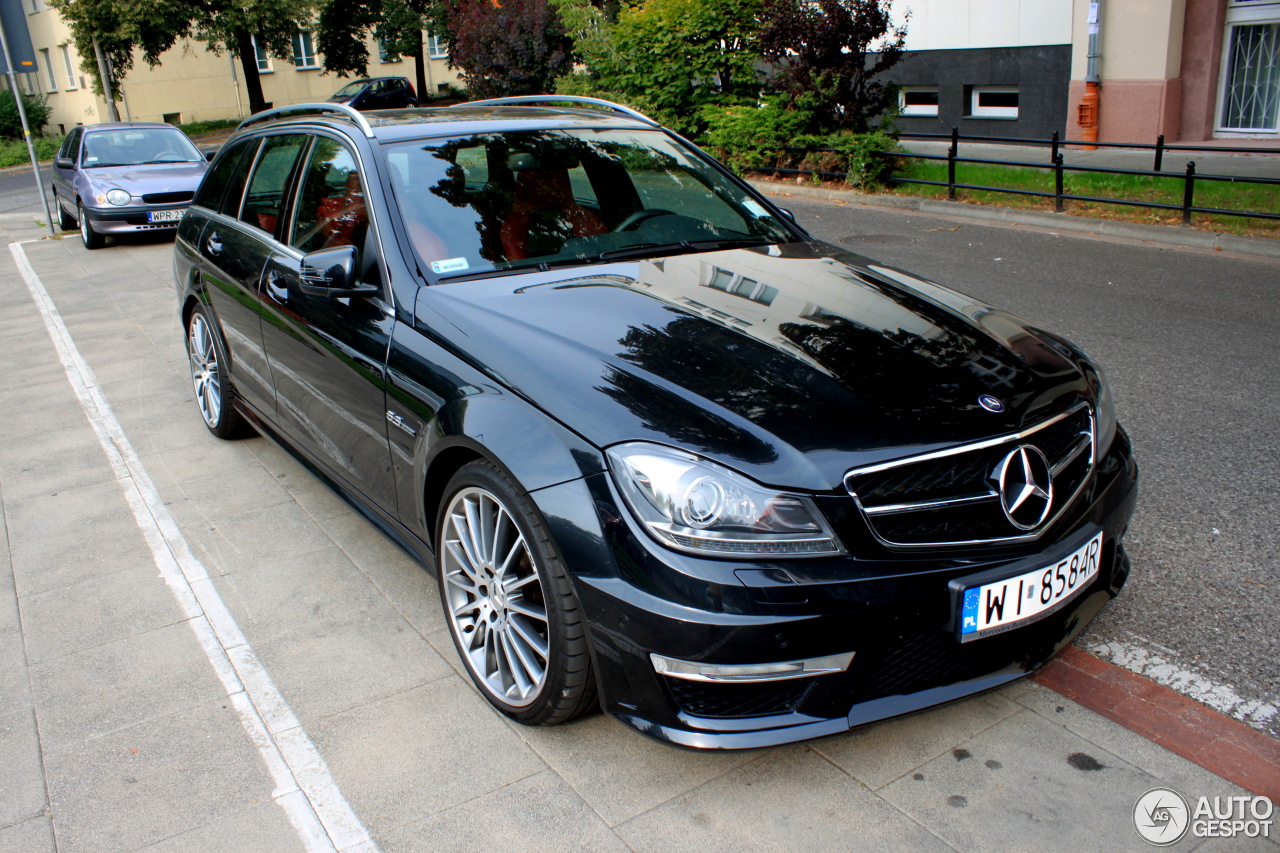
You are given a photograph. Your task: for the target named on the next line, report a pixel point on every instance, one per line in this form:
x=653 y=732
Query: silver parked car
x=125 y=177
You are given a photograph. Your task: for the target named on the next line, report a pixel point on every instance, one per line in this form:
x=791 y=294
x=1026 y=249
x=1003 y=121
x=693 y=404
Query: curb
x=1187 y=238
x=1219 y=744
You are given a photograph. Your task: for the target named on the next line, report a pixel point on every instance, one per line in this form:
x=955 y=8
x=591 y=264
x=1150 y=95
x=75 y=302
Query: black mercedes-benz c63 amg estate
x=663 y=451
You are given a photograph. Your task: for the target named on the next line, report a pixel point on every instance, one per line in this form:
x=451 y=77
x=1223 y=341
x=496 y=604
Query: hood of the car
x=150 y=178
x=791 y=363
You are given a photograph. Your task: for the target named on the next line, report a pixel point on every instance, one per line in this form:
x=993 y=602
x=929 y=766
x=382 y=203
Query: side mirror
x=64 y=163
x=333 y=273
x=209 y=153
x=788 y=214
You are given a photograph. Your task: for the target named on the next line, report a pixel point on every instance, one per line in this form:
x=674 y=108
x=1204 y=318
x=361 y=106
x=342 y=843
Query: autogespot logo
x=1161 y=816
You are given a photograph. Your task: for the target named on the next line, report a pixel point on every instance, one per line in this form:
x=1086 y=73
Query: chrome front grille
x=952 y=496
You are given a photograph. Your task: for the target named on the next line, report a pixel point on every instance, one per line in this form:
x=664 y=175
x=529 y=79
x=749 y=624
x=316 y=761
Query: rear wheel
x=207 y=357
x=91 y=239
x=507 y=598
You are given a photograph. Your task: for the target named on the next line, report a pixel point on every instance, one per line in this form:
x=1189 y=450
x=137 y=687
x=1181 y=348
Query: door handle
x=214 y=244
x=278 y=288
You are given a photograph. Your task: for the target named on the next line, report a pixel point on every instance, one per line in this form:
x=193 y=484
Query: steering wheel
x=168 y=155
x=640 y=216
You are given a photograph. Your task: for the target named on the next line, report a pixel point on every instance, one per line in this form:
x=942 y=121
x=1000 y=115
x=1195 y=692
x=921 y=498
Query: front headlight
x=117 y=197
x=694 y=505
x=1106 y=413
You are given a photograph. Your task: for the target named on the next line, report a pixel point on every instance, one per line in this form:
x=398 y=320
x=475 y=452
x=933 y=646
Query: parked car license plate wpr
x=996 y=607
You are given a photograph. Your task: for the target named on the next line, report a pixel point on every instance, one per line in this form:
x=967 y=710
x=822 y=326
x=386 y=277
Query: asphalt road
x=18 y=190
x=1189 y=341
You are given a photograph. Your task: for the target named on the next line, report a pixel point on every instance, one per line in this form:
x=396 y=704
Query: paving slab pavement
x=121 y=729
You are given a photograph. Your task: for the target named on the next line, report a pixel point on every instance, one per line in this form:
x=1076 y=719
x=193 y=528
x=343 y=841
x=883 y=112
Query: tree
x=397 y=25
x=517 y=48
x=154 y=26
x=672 y=58
x=827 y=55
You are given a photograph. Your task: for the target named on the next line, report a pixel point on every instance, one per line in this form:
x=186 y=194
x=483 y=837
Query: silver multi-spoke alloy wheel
x=205 y=375
x=494 y=597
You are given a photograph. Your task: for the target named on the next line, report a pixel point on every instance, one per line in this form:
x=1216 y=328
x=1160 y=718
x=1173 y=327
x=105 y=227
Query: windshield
x=540 y=198
x=136 y=146
x=351 y=89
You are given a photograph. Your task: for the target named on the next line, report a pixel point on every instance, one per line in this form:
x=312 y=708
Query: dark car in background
x=377 y=93
x=664 y=451
x=124 y=178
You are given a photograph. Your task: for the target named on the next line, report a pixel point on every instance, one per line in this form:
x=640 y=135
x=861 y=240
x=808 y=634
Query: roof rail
x=555 y=99
x=342 y=109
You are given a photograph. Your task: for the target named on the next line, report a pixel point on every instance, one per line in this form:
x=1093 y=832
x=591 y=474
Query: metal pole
x=1159 y=153
x=951 y=174
x=104 y=76
x=1188 y=192
x=1057 y=183
x=1053 y=153
x=26 y=129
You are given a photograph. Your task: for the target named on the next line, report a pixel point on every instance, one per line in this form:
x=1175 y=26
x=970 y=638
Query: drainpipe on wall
x=1088 y=110
x=104 y=77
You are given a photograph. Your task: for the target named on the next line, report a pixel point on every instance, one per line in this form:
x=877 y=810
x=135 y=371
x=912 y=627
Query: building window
x=261 y=55
x=1251 y=69
x=739 y=285
x=436 y=48
x=993 y=102
x=385 y=54
x=71 y=66
x=304 y=50
x=918 y=100
x=48 y=69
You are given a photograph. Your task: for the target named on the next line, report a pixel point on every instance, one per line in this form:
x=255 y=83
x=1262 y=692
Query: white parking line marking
x=1160 y=668
x=304 y=787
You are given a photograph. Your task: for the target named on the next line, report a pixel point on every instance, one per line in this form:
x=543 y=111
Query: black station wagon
x=664 y=452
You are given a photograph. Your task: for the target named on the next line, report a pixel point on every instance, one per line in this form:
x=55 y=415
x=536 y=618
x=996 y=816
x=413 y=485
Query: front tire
x=207 y=357
x=511 y=610
x=91 y=239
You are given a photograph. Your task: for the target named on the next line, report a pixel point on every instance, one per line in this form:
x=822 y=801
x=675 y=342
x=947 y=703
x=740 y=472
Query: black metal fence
x=1190 y=177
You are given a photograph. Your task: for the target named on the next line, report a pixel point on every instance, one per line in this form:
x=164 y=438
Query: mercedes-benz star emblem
x=1026 y=487
x=991 y=404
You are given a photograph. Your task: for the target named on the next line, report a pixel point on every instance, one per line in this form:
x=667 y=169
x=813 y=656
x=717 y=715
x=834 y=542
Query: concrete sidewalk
x=119 y=731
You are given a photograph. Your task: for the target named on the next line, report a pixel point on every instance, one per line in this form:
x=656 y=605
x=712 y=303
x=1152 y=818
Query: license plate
x=164 y=215
x=1003 y=605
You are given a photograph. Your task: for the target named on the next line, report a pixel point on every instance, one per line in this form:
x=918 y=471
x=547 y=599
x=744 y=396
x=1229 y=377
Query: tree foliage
x=517 y=48
x=827 y=54
x=154 y=26
x=396 y=24
x=36 y=107
x=673 y=57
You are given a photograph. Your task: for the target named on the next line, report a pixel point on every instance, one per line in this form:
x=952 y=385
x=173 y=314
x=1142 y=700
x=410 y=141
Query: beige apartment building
x=192 y=83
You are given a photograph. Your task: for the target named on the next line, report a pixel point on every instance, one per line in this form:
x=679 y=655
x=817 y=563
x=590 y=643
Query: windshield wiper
x=682 y=247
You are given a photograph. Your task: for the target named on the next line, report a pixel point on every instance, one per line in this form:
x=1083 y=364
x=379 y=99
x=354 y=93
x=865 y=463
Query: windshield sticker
x=755 y=209
x=451 y=265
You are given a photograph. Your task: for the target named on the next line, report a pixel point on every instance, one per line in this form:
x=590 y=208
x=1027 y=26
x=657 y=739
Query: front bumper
x=130 y=218
x=894 y=611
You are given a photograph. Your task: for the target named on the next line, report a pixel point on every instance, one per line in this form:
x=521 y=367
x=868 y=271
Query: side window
x=265 y=197
x=331 y=206
x=73 y=147
x=220 y=175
